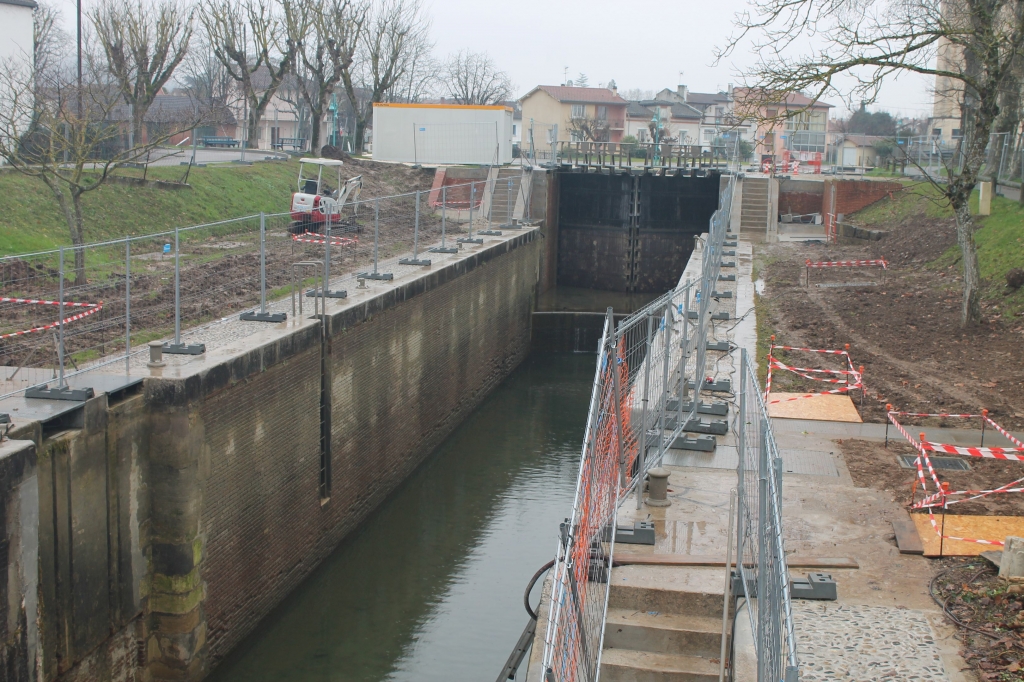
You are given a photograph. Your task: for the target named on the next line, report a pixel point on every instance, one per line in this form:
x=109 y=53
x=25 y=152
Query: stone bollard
x=1012 y=563
x=156 y=354
x=657 y=489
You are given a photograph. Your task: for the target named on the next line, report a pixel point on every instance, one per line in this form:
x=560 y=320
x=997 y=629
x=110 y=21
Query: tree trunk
x=360 y=132
x=252 y=130
x=970 y=311
x=316 y=114
x=138 y=113
x=78 y=238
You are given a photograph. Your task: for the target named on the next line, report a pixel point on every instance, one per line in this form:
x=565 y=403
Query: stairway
x=754 y=211
x=503 y=200
x=661 y=631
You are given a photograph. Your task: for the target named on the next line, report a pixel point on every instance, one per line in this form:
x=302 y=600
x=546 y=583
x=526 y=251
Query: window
x=936 y=132
x=771 y=113
x=513 y=128
x=709 y=134
x=956 y=134
x=579 y=111
x=641 y=135
x=602 y=113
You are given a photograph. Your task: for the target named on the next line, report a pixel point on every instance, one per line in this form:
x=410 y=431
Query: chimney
x=682 y=92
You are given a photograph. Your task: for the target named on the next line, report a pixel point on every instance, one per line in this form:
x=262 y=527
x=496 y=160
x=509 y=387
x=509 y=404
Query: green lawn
x=30 y=219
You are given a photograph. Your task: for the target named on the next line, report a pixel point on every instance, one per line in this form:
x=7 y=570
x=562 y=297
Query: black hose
x=529 y=587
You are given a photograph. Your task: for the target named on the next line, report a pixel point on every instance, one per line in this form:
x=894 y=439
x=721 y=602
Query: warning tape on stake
x=854 y=381
x=940 y=498
x=90 y=309
x=884 y=264
x=314 y=238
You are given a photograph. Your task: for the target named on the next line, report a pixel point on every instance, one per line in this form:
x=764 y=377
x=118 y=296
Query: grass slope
x=999 y=236
x=30 y=219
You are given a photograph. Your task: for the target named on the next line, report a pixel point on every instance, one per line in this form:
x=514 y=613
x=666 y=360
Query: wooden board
x=793 y=561
x=829 y=407
x=975 y=527
x=907 y=537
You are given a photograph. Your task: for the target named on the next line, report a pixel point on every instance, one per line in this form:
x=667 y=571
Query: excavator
x=321 y=195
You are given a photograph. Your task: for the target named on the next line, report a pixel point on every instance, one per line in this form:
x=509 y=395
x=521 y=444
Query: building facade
x=793 y=123
x=581 y=114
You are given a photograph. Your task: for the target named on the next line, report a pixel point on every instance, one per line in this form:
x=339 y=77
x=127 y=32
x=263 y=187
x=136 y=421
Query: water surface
x=430 y=587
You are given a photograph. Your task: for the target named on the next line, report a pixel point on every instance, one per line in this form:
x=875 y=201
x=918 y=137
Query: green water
x=430 y=587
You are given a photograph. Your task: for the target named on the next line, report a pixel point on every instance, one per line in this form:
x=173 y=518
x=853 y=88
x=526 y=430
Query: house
x=859 y=151
x=714 y=111
x=680 y=122
x=596 y=114
x=792 y=122
x=175 y=113
x=16 y=30
x=16 y=45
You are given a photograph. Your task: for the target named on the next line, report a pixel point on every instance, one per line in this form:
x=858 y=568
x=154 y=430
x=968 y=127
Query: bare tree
x=472 y=78
x=49 y=41
x=969 y=46
x=590 y=129
x=254 y=40
x=143 y=45
x=326 y=50
x=395 y=32
x=70 y=139
x=203 y=75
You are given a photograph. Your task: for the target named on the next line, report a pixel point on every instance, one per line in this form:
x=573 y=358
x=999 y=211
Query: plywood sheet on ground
x=975 y=527
x=829 y=407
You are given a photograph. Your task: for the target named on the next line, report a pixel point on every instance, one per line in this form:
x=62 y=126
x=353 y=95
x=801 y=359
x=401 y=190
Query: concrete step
x=665 y=633
x=624 y=665
x=694 y=592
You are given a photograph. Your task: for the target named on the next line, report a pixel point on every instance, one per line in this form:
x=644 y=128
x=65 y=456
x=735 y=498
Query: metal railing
x=182 y=283
x=761 y=561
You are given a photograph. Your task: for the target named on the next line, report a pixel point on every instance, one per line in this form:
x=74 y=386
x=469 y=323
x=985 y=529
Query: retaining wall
x=853 y=195
x=172 y=516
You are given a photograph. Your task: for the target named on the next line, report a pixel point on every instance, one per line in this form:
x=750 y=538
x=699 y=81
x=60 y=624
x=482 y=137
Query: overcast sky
x=639 y=43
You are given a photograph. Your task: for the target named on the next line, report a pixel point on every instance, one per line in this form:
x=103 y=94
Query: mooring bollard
x=657 y=489
x=156 y=354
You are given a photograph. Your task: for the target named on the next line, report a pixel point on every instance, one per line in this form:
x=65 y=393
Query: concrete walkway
x=884 y=625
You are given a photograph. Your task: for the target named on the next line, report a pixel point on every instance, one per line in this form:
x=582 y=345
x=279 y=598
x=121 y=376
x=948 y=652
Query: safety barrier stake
x=128 y=304
x=263 y=315
x=176 y=347
x=376 y=241
x=415 y=260
x=642 y=454
x=444 y=248
x=612 y=352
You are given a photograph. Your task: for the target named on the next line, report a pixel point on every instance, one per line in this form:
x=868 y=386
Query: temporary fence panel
x=761 y=554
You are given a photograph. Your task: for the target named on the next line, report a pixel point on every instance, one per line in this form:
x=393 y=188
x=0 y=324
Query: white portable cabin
x=442 y=133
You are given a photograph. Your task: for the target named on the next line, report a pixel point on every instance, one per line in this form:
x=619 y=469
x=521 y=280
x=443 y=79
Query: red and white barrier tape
x=808 y=373
x=884 y=264
x=314 y=238
x=940 y=498
x=91 y=308
x=813 y=350
x=991 y=453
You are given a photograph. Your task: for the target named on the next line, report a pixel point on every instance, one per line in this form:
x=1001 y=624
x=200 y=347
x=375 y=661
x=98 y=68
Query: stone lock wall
x=170 y=519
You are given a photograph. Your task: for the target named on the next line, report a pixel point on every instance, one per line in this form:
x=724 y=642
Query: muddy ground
x=905 y=331
x=219 y=273
x=872 y=465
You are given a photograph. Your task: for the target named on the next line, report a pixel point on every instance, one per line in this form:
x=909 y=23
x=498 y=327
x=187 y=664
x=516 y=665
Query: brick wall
x=853 y=195
x=404 y=372
x=800 y=197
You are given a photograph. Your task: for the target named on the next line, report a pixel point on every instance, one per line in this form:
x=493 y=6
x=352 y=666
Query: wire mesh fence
x=75 y=309
x=761 y=553
x=641 y=404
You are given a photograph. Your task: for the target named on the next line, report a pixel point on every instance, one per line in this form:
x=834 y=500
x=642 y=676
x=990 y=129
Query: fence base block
x=443 y=249
x=386 y=276
x=467 y=240
x=728 y=253
x=313 y=293
x=254 y=316
x=728 y=264
x=57 y=393
x=642 y=533
x=724 y=315
x=184 y=348
x=717 y=409
x=718 y=345
x=413 y=261
x=816 y=586
x=721 y=294
x=700 y=443
x=727 y=278
x=490 y=233
x=718 y=427
x=720 y=386
x=729 y=244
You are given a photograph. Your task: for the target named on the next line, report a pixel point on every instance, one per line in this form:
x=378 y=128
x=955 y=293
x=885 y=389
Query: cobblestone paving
x=844 y=642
